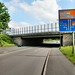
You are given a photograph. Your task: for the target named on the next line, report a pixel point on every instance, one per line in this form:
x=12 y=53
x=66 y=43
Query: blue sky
x=34 y=12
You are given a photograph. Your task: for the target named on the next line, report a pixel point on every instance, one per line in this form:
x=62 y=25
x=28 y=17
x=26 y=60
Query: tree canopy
x=4 y=16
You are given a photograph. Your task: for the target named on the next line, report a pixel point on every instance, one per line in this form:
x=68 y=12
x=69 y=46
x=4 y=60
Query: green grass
x=50 y=40
x=67 y=51
x=6 y=40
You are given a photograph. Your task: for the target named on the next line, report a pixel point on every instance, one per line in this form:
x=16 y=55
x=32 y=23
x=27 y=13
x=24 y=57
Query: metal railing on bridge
x=46 y=28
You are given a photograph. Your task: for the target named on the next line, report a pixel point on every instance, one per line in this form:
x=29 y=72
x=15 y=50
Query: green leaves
x=4 y=16
x=6 y=38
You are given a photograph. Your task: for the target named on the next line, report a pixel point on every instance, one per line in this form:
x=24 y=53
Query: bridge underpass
x=34 y=35
x=51 y=42
x=65 y=38
x=38 y=40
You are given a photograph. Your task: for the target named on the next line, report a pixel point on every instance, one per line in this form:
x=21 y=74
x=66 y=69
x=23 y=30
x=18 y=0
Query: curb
x=45 y=64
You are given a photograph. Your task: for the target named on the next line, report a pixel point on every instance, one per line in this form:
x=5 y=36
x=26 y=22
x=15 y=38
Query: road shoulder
x=58 y=64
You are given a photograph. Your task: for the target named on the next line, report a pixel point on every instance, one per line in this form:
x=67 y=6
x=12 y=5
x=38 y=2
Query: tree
x=4 y=16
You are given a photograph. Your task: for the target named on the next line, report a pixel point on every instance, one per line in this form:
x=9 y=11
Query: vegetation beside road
x=67 y=51
x=6 y=40
x=50 y=40
x=4 y=17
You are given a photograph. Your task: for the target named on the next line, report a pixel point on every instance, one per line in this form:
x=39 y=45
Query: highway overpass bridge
x=34 y=35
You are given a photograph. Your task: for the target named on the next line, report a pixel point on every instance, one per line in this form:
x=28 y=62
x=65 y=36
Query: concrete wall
x=17 y=40
x=67 y=39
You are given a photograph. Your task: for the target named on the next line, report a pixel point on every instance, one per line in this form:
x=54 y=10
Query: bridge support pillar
x=17 y=40
x=61 y=41
x=67 y=39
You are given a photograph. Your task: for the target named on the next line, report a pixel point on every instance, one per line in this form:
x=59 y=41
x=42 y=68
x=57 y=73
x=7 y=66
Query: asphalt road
x=22 y=60
x=58 y=64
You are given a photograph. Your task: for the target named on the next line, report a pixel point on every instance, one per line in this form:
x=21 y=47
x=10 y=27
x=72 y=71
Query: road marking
x=47 y=58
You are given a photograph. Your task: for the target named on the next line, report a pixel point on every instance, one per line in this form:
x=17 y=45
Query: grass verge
x=6 y=40
x=67 y=51
x=50 y=40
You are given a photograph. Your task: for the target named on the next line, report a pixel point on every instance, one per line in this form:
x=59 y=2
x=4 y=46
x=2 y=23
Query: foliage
x=67 y=51
x=4 y=16
x=51 y=40
x=6 y=40
x=6 y=44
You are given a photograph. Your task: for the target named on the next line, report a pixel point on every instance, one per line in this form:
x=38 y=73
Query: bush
x=6 y=40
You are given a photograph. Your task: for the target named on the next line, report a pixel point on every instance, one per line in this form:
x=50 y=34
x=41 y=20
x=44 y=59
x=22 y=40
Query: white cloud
x=13 y=24
x=13 y=5
x=13 y=9
x=71 y=0
x=39 y=9
x=42 y=10
x=12 y=2
x=58 y=0
x=42 y=23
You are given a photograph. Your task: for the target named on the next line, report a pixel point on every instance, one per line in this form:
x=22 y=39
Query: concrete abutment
x=67 y=39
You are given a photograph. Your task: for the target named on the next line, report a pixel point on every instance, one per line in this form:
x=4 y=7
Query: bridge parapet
x=46 y=28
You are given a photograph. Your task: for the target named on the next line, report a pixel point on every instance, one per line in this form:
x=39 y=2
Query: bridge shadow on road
x=46 y=45
x=50 y=45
